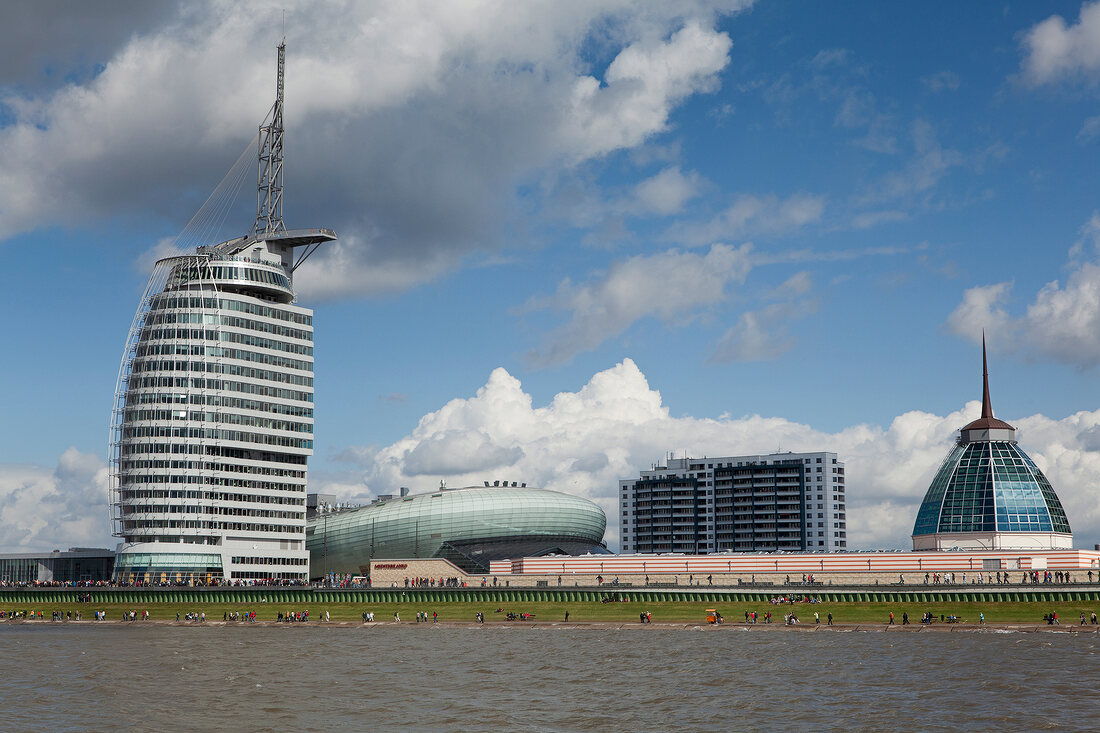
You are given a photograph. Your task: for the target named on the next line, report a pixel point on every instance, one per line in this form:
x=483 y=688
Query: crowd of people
x=1027 y=577
x=777 y=600
x=433 y=583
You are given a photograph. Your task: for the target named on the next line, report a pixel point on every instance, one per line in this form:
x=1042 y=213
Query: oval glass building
x=989 y=495
x=468 y=526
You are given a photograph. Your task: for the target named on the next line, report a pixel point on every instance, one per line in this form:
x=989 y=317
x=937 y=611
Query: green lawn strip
x=1069 y=612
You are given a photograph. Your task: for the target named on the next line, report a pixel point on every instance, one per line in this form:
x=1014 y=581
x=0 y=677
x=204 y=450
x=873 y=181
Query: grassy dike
x=1069 y=612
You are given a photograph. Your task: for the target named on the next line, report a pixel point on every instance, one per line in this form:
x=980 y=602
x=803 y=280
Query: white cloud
x=1090 y=130
x=752 y=216
x=870 y=219
x=583 y=442
x=940 y=81
x=459 y=452
x=667 y=192
x=1055 y=51
x=982 y=309
x=1061 y=324
x=639 y=89
x=672 y=286
x=930 y=163
x=43 y=509
x=763 y=334
x=410 y=125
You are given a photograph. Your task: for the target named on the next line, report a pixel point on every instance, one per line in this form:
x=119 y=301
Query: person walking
x=891 y=618
x=830 y=619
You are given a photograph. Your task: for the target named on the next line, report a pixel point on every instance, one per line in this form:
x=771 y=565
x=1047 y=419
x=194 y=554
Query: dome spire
x=979 y=429
x=987 y=406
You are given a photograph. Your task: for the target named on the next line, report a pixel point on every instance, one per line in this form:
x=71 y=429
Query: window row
x=127 y=493
x=236 y=370
x=128 y=510
x=128 y=465
x=210 y=319
x=233 y=337
x=167 y=301
x=128 y=449
x=126 y=480
x=225 y=385
x=161 y=431
x=270 y=561
x=230 y=418
x=216 y=400
x=137 y=525
x=181 y=276
x=221 y=352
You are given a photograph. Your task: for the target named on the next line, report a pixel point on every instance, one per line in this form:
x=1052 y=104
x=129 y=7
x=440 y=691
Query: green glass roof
x=990 y=486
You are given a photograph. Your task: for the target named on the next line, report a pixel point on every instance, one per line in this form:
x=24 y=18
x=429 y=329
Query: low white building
x=792 y=502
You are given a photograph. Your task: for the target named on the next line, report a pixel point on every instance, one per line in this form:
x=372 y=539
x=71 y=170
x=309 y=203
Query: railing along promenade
x=14 y=597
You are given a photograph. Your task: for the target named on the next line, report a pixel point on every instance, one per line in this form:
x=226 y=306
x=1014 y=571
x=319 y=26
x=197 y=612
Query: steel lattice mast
x=269 y=195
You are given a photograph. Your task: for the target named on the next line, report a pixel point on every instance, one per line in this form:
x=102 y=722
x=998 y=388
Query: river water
x=416 y=677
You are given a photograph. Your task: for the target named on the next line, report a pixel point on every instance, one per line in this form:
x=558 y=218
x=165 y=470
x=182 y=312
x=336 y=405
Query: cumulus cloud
x=672 y=286
x=583 y=442
x=1054 y=51
x=1062 y=322
x=459 y=452
x=981 y=309
x=43 y=509
x=411 y=126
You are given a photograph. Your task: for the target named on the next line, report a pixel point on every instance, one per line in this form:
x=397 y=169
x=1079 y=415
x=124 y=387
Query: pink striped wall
x=814 y=563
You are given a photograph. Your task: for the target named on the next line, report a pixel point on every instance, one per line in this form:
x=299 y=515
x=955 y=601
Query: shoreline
x=583 y=625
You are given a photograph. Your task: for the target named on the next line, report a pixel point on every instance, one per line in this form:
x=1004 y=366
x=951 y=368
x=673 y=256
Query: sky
x=576 y=237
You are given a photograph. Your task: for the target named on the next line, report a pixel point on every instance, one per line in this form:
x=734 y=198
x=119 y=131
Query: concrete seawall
x=10 y=597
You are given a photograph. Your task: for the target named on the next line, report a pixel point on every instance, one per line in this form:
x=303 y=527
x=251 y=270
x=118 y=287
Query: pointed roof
x=987 y=421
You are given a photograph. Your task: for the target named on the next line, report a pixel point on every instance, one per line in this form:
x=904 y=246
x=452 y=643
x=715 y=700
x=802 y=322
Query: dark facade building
x=787 y=502
x=77 y=565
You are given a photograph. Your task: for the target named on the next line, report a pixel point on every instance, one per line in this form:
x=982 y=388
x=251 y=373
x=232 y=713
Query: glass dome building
x=989 y=495
x=468 y=526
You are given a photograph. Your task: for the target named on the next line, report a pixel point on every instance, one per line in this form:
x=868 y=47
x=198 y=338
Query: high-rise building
x=213 y=416
x=761 y=503
x=989 y=495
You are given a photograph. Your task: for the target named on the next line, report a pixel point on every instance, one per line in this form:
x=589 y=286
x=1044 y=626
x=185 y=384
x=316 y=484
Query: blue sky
x=577 y=236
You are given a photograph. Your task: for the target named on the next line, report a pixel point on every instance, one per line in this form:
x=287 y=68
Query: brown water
x=163 y=678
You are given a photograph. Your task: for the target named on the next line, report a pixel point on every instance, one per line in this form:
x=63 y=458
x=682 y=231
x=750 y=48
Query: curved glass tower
x=989 y=495
x=213 y=418
x=468 y=526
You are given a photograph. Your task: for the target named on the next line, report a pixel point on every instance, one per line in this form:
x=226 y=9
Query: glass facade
x=990 y=486
x=214 y=422
x=74 y=566
x=468 y=526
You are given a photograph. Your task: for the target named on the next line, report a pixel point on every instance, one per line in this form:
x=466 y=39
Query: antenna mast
x=269 y=197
